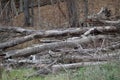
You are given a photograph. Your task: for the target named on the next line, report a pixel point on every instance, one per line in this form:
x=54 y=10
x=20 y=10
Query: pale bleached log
x=24 y=61
x=56 y=33
x=104 y=29
x=102 y=57
x=39 y=34
x=117 y=22
x=52 y=46
x=56 y=68
x=17 y=30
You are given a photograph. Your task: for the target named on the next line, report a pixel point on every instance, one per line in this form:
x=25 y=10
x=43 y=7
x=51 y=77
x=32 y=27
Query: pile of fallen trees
x=62 y=49
x=52 y=54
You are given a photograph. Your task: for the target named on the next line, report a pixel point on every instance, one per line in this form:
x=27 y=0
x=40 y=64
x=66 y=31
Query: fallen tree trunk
x=110 y=22
x=56 y=68
x=103 y=30
x=17 y=30
x=49 y=33
x=55 y=33
x=28 y=31
x=79 y=58
x=51 y=46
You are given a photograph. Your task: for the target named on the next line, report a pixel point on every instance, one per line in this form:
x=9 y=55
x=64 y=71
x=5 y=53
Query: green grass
x=110 y=71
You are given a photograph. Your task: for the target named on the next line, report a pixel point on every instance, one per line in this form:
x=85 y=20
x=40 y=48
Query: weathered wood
x=72 y=8
x=56 y=68
x=51 y=46
x=36 y=35
x=57 y=31
x=79 y=58
x=54 y=33
x=98 y=30
x=110 y=22
x=17 y=30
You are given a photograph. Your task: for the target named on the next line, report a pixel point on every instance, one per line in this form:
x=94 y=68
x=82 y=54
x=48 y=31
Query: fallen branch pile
x=62 y=49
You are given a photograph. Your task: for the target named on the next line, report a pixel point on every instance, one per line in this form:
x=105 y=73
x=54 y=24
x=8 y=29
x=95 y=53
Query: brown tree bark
x=72 y=7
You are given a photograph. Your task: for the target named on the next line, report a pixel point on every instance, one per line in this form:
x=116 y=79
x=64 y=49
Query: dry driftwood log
x=56 y=68
x=51 y=46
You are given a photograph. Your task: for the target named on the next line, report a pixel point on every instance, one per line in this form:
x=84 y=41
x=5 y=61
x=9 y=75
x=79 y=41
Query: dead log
x=78 y=51
x=55 y=33
x=41 y=34
x=51 y=46
x=88 y=58
x=28 y=31
x=114 y=23
x=102 y=30
x=17 y=30
x=56 y=68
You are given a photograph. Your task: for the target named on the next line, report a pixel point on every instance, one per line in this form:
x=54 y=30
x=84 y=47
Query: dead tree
x=72 y=13
x=86 y=11
x=21 y=5
x=26 y=13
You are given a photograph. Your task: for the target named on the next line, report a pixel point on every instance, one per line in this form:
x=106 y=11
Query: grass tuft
x=110 y=71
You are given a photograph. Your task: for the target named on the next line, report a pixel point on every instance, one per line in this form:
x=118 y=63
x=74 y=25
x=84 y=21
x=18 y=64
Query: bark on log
x=51 y=46
x=56 y=68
